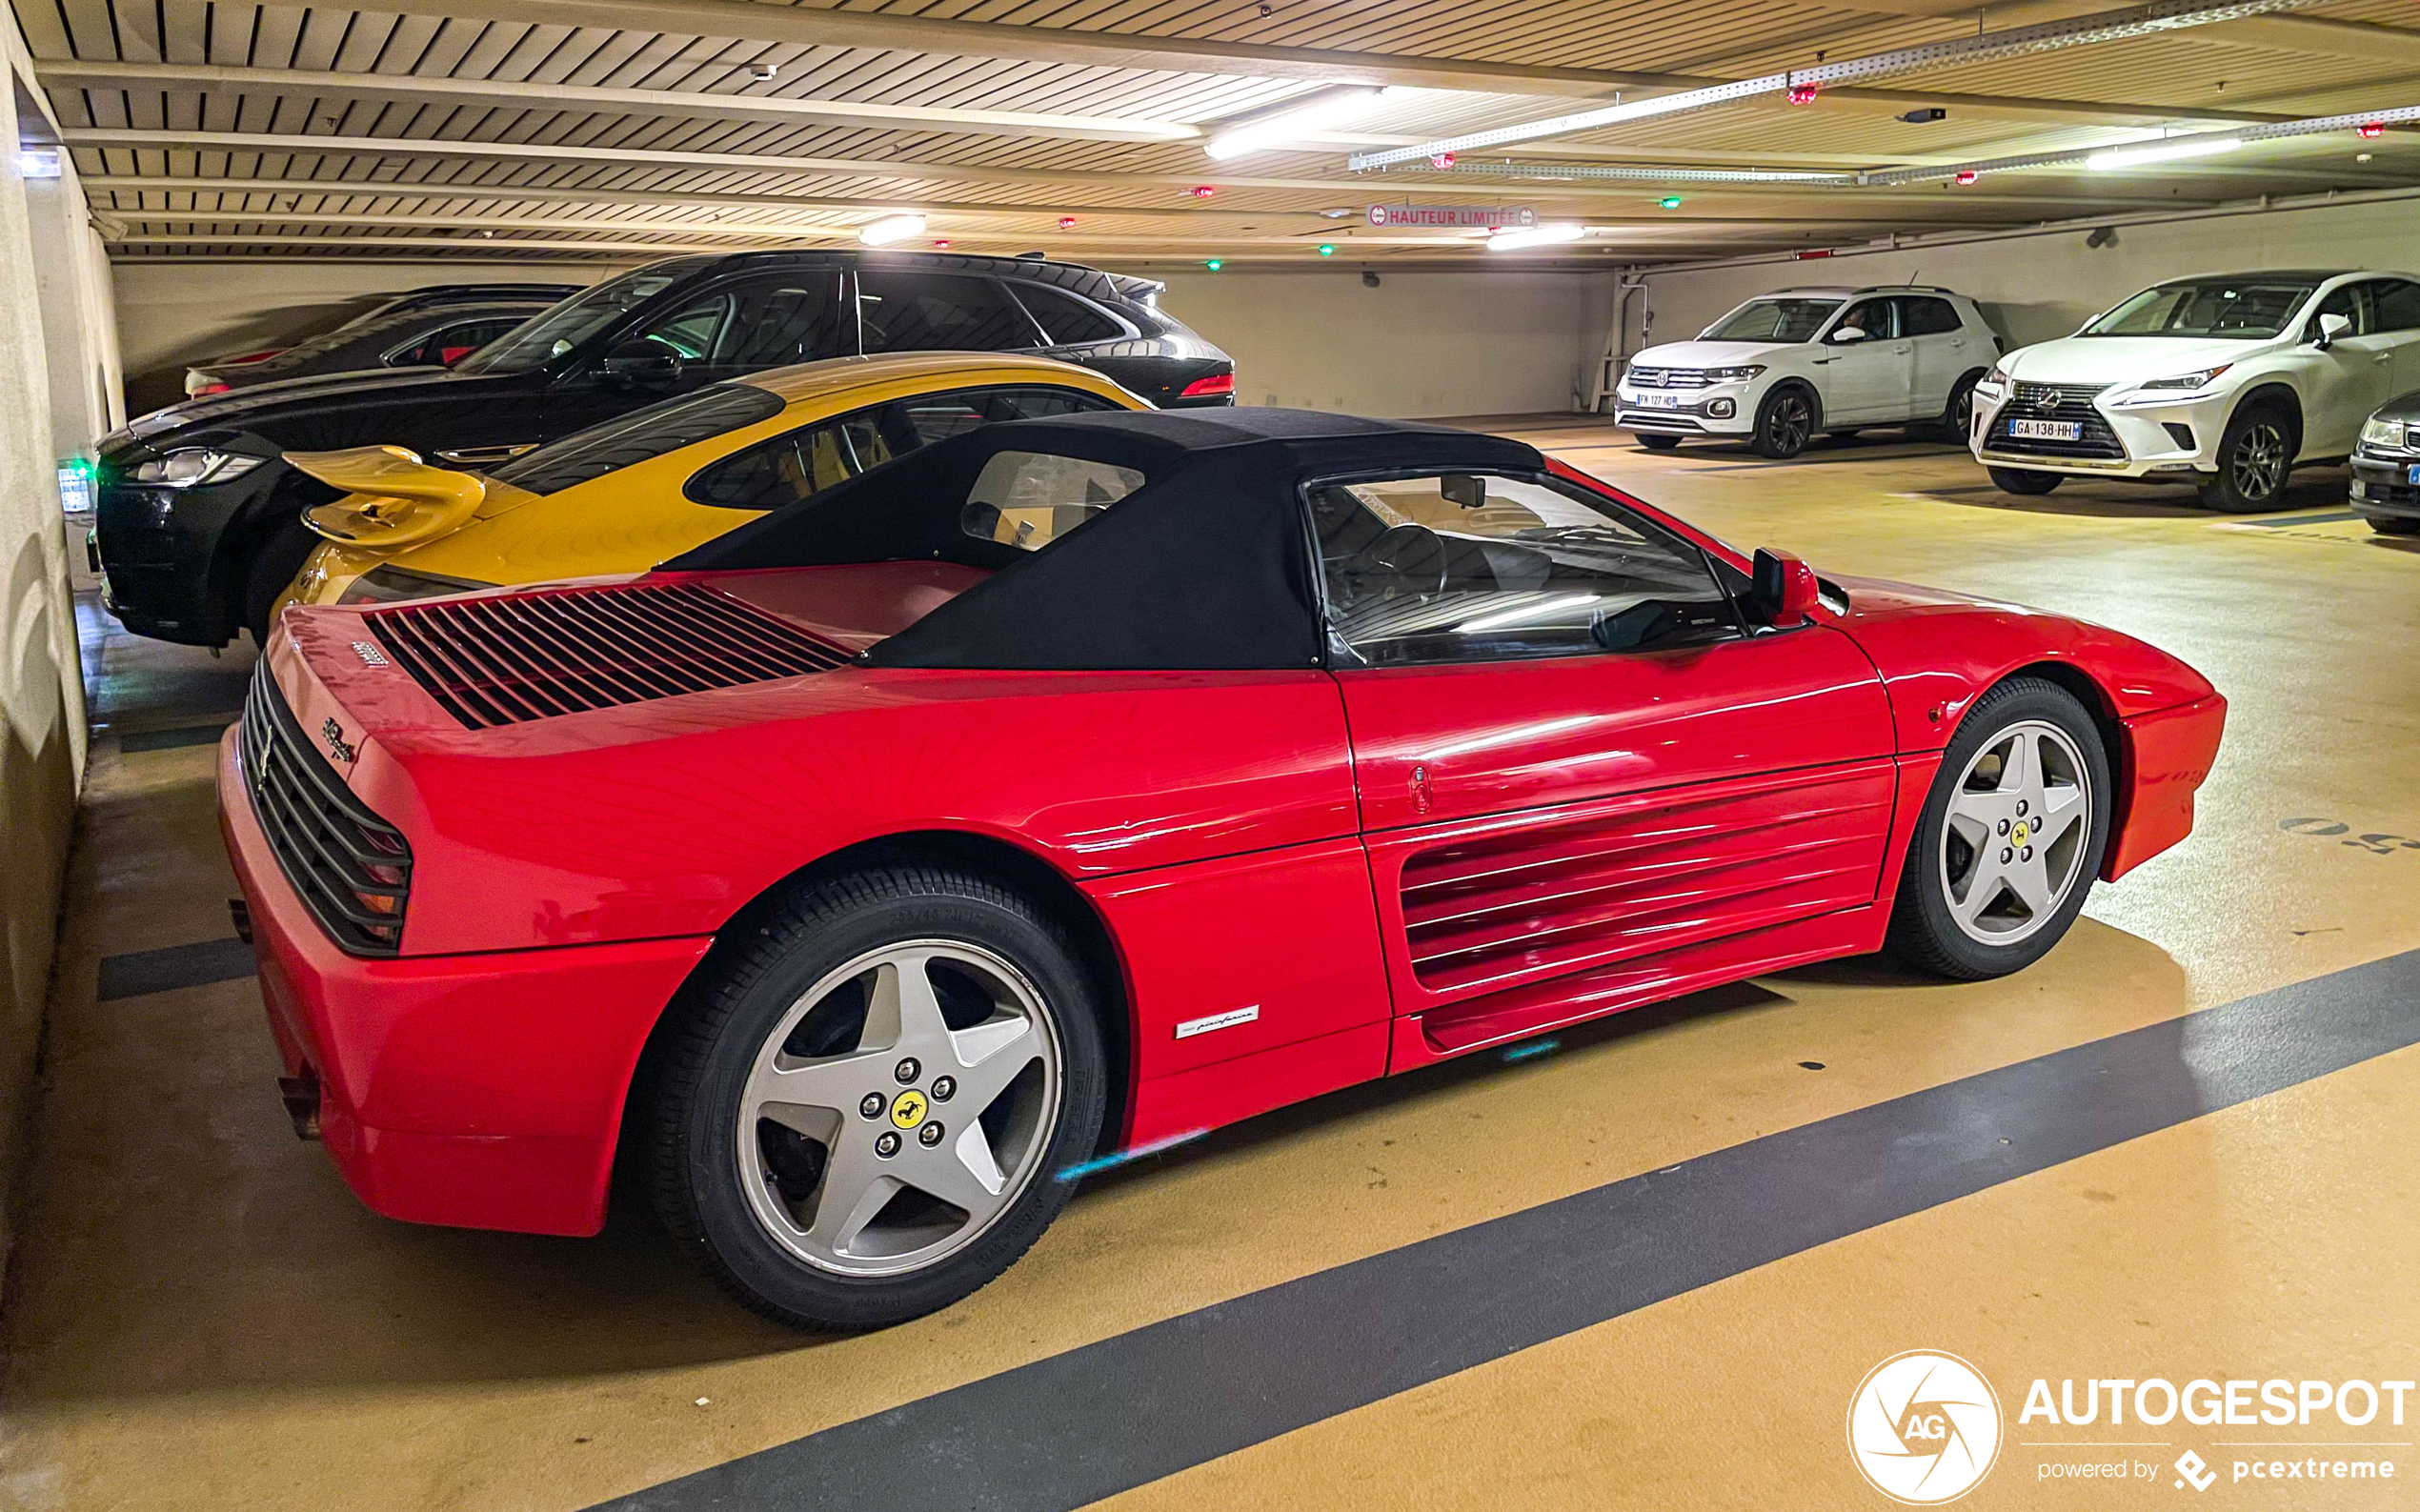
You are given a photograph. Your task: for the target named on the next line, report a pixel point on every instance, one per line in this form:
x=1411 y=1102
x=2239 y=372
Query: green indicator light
x=1214 y=265
x=1671 y=202
x=1327 y=248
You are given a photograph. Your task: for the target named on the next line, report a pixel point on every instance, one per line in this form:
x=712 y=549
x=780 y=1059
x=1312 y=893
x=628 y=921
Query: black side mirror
x=645 y=363
x=1463 y=489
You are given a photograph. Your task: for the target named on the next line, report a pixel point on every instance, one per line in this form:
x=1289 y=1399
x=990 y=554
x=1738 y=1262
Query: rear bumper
x=2165 y=757
x=481 y=1090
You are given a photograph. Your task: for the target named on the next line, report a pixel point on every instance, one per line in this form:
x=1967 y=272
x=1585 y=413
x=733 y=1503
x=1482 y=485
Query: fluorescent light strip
x=2244 y=136
x=1322 y=111
x=1534 y=236
x=2162 y=152
x=2108 y=26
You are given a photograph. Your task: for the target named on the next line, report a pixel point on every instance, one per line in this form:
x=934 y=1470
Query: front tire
x=2255 y=456
x=2010 y=838
x=2395 y=524
x=1784 y=423
x=864 y=1116
x=1657 y=443
x=2023 y=480
x=1958 y=417
x=276 y=559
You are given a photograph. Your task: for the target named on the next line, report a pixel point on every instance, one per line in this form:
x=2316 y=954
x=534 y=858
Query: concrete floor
x=202 y=1316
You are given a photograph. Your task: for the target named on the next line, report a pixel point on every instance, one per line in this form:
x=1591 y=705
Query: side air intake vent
x=522 y=657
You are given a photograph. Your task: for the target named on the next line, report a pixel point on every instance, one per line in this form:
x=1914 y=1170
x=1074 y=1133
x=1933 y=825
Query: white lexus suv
x=1785 y=366
x=2228 y=382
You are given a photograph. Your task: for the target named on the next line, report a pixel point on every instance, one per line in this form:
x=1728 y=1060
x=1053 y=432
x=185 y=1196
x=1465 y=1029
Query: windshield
x=2242 y=308
x=552 y=332
x=1773 y=320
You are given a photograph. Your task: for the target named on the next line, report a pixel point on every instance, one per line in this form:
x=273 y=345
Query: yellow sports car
x=622 y=496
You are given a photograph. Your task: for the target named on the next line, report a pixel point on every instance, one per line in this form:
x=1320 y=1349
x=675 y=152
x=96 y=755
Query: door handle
x=1821 y=362
x=2383 y=356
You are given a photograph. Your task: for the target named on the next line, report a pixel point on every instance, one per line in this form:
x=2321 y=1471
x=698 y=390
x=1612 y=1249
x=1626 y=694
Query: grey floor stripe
x=1075 y=1427
x=2282 y=523
x=141 y=971
x=168 y=740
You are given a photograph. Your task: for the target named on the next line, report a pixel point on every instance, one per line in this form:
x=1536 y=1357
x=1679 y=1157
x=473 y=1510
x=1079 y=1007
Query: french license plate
x=1657 y=401
x=2412 y=475
x=2046 y=430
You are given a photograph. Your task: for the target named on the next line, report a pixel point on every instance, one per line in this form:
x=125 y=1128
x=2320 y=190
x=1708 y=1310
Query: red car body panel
x=1387 y=866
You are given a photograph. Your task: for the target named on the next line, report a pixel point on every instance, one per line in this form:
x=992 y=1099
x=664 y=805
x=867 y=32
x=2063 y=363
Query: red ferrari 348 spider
x=1078 y=783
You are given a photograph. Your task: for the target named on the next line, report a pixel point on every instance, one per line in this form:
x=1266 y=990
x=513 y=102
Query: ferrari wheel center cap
x=2020 y=834
x=908 y=1109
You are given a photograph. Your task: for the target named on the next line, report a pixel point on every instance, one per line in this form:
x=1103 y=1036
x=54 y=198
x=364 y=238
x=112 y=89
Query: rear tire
x=2255 y=457
x=1784 y=421
x=824 y=1137
x=1657 y=443
x=2010 y=838
x=2023 y=481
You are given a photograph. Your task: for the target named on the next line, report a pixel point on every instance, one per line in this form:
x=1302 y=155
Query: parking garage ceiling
x=583 y=129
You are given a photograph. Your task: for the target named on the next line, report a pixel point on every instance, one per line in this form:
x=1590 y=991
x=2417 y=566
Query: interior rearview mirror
x=2331 y=325
x=644 y=363
x=1848 y=334
x=1783 y=587
x=1463 y=489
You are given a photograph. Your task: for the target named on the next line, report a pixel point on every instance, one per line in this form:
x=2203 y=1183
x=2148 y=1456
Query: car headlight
x=190 y=466
x=2378 y=430
x=1734 y=374
x=1998 y=377
x=2185 y=381
x=393 y=585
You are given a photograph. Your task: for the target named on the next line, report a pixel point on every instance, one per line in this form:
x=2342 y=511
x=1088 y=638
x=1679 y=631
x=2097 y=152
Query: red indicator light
x=942 y=245
x=2372 y=129
x=1803 y=93
x=1066 y=223
x=1217 y=383
x=1202 y=191
x=1441 y=160
x=1968 y=177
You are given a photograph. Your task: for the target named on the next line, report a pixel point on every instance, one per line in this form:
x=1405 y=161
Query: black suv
x=197 y=528
x=435 y=338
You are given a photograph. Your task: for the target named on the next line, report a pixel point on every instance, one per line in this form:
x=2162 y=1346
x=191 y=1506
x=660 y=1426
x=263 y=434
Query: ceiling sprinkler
x=764 y=72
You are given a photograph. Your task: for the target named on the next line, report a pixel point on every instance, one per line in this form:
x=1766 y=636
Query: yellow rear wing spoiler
x=393 y=499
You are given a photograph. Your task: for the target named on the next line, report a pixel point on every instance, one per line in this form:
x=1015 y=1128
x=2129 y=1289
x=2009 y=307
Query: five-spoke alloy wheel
x=2010 y=838
x=862 y=1114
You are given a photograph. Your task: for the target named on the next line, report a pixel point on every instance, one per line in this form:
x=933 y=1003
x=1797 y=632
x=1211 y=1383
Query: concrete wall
x=2043 y=285
x=1479 y=342
x=1491 y=342
x=41 y=691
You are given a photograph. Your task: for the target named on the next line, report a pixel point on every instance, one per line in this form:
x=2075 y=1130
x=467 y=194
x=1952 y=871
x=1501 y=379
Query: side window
x=1878 y=319
x=2394 y=305
x=1458 y=567
x=2351 y=301
x=1065 y=319
x=806 y=461
x=1921 y=316
x=694 y=332
x=917 y=311
x=1029 y=500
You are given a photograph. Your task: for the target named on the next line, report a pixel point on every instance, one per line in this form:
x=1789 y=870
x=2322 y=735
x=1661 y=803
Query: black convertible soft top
x=1206 y=565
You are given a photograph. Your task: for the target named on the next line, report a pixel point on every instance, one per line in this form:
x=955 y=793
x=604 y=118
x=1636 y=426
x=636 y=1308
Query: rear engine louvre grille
x=350 y=868
x=2056 y=401
x=512 y=658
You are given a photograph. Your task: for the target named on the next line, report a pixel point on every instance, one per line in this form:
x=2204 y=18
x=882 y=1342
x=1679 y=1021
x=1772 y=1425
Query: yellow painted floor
x=201 y=1315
